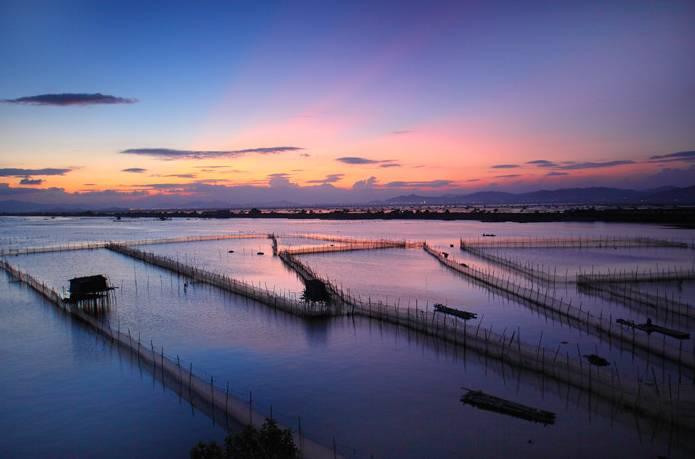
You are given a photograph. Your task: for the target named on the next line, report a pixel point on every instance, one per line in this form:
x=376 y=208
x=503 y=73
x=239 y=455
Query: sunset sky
x=254 y=102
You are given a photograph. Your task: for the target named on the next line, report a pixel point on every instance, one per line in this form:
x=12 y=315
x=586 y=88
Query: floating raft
x=483 y=401
x=465 y=315
x=596 y=360
x=649 y=327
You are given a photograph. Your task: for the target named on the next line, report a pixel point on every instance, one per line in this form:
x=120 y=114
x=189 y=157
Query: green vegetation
x=270 y=442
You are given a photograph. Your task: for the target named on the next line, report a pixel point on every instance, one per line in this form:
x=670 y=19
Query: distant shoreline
x=680 y=217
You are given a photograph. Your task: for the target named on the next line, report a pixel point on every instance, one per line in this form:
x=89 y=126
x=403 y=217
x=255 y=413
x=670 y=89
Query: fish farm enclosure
x=378 y=339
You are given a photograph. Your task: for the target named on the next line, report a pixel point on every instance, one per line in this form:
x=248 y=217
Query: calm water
x=378 y=389
x=64 y=392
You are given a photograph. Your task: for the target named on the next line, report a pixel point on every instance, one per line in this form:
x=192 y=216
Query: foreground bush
x=270 y=442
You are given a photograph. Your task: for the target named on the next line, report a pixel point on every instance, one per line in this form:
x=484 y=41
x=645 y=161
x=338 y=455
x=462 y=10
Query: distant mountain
x=569 y=196
x=593 y=195
x=673 y=195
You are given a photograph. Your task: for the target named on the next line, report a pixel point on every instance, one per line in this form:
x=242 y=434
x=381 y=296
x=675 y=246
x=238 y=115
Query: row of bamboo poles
x=628 y=295
x=525 y=269
x=346 y=247
x=103 y=244
x=349 y=239
x=602 y=382
x=601 y=326
x=181 y=378
x=572 y=242
x=649 y=275
x=238 y=287
x=599 y=282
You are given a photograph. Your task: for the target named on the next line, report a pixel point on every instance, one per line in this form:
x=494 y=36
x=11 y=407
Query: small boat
x=483 y=401
x=649 y=328
x=596 y=360
x=489 y=235
x=260 y=253
x=451 y=245
x=230 y=251
x=465 y=315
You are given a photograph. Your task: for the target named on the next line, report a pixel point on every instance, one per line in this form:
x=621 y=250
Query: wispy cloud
x=419 y=184
x=402 y=131
x=556 y=174
x=134 y=170
x=17 y=172
x=331 y=178
x=361 y=160
x=30 y=181
x=180 y=175
x=542 y=163
x=170 y=153
x=390 y=165
x=505 y=166
x=507 y=176
x=672 y=157
x=67 y=99
x=593 y=165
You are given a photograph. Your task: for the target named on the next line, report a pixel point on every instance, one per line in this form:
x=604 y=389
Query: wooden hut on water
x=88 y=287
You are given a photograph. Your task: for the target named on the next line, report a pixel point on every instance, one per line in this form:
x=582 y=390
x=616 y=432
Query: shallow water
x=376 y=388
x=39 y=231
x=65 y=392
x=244 y=263
x=574 y=261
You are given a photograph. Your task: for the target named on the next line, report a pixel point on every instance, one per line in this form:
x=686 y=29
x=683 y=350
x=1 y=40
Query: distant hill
x=593 y=195
x=568 y=196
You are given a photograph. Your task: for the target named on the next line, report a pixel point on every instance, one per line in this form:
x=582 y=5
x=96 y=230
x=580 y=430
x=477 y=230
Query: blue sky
x=442 y=90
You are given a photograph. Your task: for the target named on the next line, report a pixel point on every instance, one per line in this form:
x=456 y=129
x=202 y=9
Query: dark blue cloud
x=170 y=153
x=361 y=160
x=418 y=184
x=30 y=181
x=134 y=170
x=678 y=156
x=542 y=163
x=17 y=172
x=67 y=99
x=505 y=166
x=570 y=166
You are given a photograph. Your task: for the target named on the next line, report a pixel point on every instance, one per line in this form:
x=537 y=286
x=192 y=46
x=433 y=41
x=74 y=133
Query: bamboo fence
x=627 y=294
x=262 y=295
x=572 y=242
x=103 y=244
x=601 y=326
x=189 y=384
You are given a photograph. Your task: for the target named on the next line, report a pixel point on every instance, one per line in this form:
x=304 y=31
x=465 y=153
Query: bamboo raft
x=649 y=327
x=483 y=401
x=465 y=315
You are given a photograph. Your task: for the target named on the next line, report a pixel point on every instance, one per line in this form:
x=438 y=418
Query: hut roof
x=88 y=284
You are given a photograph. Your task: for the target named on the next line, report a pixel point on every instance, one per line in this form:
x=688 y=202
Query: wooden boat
x=649 y=327
x=260 y=253
x=465 y=315
x=483 y=401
